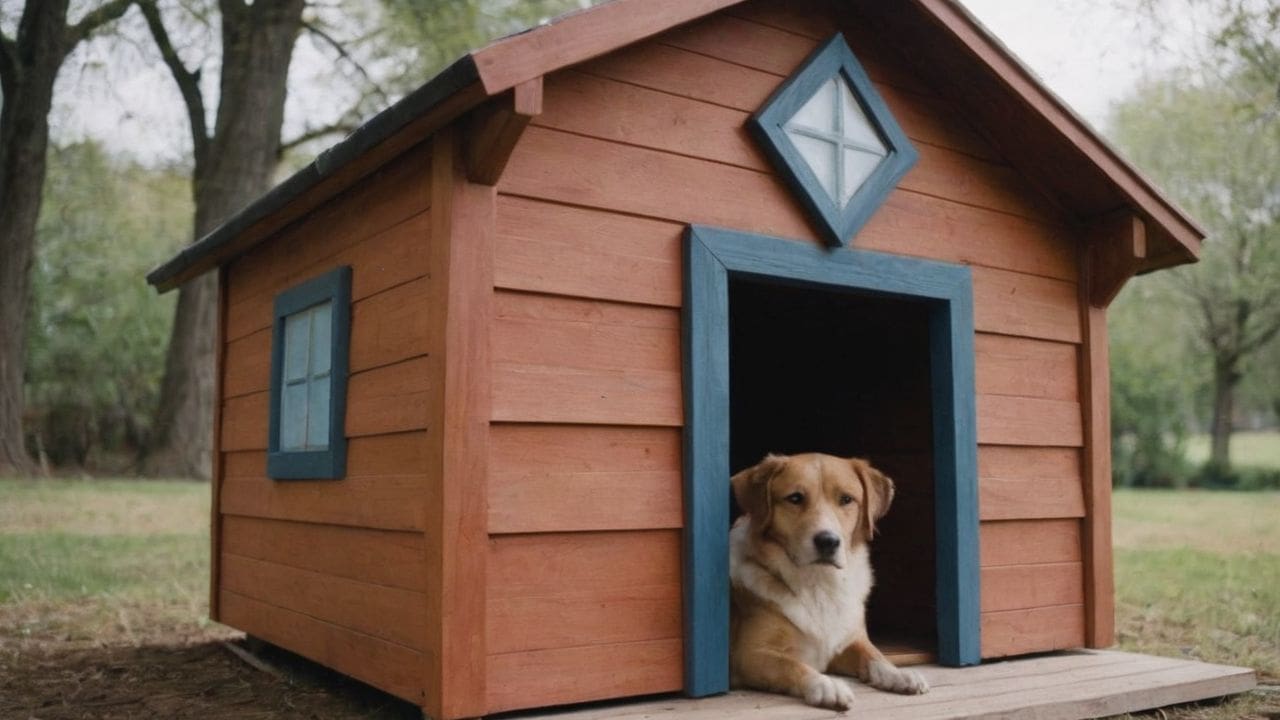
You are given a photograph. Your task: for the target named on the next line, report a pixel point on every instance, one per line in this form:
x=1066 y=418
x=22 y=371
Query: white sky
x=1090 y=52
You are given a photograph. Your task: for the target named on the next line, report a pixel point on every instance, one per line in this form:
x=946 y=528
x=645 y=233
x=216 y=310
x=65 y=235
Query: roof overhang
x=1088 y=177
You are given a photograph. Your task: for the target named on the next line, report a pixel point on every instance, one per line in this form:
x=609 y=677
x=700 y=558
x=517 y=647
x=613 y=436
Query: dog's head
x=814 y=506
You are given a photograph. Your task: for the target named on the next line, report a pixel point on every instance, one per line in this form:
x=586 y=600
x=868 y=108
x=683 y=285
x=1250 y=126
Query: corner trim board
x=712 y=257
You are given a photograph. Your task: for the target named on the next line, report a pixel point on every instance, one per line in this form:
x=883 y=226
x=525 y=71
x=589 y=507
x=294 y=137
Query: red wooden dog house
x=462 y=451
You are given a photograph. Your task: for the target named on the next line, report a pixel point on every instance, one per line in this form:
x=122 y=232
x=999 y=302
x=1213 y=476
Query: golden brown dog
x=799 y=565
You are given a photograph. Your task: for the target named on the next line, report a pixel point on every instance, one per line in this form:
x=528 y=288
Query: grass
x=1259 y=449
x=93 y=561
x=1198 y=576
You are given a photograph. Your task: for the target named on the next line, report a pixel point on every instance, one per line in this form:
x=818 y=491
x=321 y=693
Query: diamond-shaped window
x=833 y=139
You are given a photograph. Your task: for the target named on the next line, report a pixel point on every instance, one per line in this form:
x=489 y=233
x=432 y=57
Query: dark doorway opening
x=820 y=369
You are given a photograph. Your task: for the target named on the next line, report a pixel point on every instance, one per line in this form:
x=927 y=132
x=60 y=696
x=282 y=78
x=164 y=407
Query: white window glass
x=318 y=413
x=836 y=140
x=297 y=328
x=818 y=112
x=821 y=157
x=304 y=399
x=858 y=166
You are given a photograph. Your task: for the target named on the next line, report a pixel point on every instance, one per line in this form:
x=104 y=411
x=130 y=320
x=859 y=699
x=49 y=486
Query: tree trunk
x=24 y=138
x=1225 y=379
x=234 y=168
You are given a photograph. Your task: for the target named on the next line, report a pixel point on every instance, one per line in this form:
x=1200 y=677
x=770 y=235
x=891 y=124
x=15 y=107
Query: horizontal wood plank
x=552 y=248
x=552 y=564
x=558 y=332
x=551 y=394
x=1021 y=587
x=375 y=557
x=394 y=668
x=385 y=260
x=1008 y=420
x=1029 y=482
x=1011 y=303
x=1029 y=368
x=586 y=615
x=1016 y=632
x=392 y=614
x=593 y=672
x=1024 y=542
x=389 y=502
x=545 y=478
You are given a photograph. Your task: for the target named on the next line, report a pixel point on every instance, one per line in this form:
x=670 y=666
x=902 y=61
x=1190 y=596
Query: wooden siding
x=335 y=569
x=587 y=402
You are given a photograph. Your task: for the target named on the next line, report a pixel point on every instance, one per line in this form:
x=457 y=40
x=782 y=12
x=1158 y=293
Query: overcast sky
x=1087 y=51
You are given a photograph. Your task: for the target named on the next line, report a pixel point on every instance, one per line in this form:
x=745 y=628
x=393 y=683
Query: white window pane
x=318 y=414
x=856 y=126
x=321 y=350
x=297 y=331
x=821 y=156
x=819 y=111
x=293 y=416
x=857 y=168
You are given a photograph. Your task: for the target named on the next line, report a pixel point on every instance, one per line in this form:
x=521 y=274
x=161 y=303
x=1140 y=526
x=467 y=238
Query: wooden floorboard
x=1061 y=686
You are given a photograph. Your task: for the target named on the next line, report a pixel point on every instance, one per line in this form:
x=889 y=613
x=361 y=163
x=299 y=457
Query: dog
x=800 y=574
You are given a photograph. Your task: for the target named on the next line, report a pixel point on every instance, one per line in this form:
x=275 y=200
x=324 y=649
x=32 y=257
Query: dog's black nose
x=827 y=542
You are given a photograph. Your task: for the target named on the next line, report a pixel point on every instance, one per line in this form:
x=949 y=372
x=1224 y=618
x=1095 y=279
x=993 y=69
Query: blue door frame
x=712 y=257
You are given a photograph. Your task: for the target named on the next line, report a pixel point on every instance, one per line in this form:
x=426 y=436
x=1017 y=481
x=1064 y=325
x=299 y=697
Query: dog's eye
x=846 y=498
x=795 y=498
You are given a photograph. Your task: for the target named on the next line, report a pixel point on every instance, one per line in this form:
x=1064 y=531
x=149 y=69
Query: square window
x=309 y=355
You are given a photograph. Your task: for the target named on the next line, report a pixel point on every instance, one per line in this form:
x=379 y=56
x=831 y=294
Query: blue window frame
x=309 y=354
x=834 y=141
x=714 y=256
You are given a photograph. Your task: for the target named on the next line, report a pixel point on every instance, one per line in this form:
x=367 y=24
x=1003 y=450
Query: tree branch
x=340 y=126
x=342 y=53
x=188 y=82
x=109 y=11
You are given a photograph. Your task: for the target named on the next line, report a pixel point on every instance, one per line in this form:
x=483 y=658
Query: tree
x=29 y=64
x=234 y=162
x=1213 y=142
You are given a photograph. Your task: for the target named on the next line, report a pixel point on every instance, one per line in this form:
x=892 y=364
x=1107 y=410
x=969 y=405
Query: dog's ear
x=877 y=494
x=751 y=489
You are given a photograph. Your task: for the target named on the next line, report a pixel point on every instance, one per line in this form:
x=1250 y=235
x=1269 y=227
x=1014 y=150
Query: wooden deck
x=1062 y=686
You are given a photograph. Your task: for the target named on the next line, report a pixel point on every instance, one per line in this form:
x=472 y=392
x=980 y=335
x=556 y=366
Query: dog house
x=486 y=366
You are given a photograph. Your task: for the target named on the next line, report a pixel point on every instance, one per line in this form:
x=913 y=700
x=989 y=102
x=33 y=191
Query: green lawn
x=1248 y=449
x=102 y=560
x=1198 y=576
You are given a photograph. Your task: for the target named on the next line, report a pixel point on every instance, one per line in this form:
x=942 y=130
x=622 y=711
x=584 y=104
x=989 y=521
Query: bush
x=1216 y=476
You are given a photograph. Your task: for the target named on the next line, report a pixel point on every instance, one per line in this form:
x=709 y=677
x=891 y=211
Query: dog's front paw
x=828 y=692
x=885 y=676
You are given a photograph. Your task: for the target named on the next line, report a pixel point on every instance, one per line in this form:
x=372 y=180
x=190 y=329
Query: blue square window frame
x=330 y=463
x=832 y=59
x=714 y=256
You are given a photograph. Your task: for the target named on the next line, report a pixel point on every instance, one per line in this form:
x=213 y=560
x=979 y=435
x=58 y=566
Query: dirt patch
x=198 y=680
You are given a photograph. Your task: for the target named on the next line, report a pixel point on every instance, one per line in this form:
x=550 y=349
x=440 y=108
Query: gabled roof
x=1031 y=126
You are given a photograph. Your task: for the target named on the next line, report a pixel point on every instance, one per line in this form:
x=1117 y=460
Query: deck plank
x=1061 y=686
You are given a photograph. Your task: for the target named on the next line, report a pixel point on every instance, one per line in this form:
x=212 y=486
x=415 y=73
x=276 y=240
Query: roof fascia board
x=581 y=36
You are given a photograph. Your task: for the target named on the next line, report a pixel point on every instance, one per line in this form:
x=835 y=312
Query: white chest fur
x=827 y=604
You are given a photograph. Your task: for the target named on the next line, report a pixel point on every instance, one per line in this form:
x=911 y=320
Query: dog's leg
x=776 y=672
x=865 y=662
